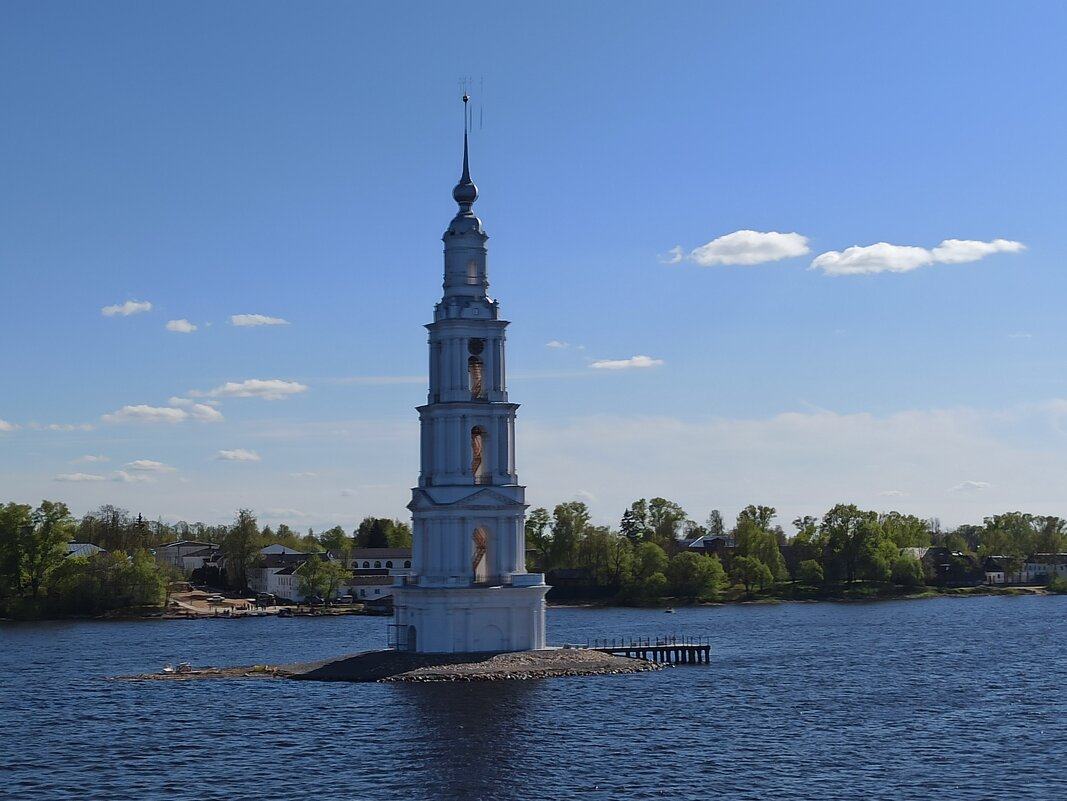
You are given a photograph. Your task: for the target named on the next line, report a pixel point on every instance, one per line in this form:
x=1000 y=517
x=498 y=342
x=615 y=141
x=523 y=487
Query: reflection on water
x=468 y=736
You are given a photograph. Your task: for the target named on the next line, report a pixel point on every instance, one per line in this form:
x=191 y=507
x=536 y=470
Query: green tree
x=569 y=521
x=810 y=572
x=905 y=531
x=845 y=532
x=44 y=543
x=665 y=517
x=907 y=571
x=336 y=540
x=754 y=537
x=240 y=548
x=1010 y=534
x=620 y=561
x=321 y=576
x=634 y=524
x=399 y=536
x=714 y=525
x=373 y=532
x=594 y=552
x=539 y=536
x=15 y=519
x=693 y=576
x=137 y=580
x=649 y=559
x=750 y=571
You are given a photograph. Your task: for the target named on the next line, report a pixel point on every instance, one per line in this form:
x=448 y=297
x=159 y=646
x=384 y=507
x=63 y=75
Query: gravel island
x=401 y=666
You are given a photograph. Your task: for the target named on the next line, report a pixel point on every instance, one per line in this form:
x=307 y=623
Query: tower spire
x=465 y=192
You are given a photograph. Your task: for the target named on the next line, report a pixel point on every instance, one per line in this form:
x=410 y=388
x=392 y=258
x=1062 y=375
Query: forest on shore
x=649 y=558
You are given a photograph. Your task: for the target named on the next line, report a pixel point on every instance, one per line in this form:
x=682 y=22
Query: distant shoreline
x=574 y=603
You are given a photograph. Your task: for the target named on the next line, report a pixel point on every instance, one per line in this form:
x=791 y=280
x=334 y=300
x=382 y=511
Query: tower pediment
x=483 y=499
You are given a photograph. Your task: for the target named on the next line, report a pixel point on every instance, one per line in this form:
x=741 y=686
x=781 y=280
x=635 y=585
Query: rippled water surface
x=946 y=699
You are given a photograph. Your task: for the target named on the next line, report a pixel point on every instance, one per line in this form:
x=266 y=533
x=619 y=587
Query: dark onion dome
x=465 y=192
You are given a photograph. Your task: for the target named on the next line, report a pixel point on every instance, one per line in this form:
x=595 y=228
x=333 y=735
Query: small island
x=398 y=666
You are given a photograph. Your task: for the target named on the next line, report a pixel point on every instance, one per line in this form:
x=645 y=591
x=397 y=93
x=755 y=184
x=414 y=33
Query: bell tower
x=468 y=589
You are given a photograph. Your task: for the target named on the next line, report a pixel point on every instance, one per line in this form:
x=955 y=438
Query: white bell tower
x=468 y=589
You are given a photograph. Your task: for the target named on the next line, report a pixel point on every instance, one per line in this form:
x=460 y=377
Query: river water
x=954 y=698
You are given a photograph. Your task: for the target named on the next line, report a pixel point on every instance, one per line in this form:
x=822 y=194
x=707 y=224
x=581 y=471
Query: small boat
x=285 y=612
x=669 y=610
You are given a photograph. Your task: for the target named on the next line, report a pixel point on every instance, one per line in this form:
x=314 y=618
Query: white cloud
x=280 y=513
x=180 y=326
x=60 y=427
x=91 y=460
x=970 y=486
x=634 y=362
x=585 y=496
x=348 y=493
x=555 y=343
x=744 y=247
x=203 y=413
x=892 y=494
x=1020 y=335
x=267 y=389
x=6 y=426
x=673 y=256
x=142 y=413
x=149 y=466
x=959 y=251
x=305 y=474
x=131 y=478
x=884 y=257
x=244 y=320
x=79 y=477
x=237 y=455
x=127 y=308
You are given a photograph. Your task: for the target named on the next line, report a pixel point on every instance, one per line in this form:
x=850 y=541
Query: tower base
x=469 y=619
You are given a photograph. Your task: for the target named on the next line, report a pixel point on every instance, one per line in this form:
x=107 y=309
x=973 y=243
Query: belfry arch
x=480 y=555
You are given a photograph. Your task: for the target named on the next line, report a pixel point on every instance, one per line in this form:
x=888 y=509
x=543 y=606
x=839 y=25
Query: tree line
x=646 y=556
x=38 y=578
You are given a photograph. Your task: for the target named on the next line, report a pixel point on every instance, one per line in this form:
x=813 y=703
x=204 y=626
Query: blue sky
x=682 y=184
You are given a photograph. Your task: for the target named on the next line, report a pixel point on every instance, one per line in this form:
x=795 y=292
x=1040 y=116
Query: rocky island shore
x=397 y=666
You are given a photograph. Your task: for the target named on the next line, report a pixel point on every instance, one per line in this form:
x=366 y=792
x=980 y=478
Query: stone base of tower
x=469 y=619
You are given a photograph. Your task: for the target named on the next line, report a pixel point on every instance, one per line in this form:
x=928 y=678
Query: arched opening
x=377 y=563
x=407 y=563
x=477 y=462
x=366 y=564
x=479 y=559
x=474 y=377
x=389 y=564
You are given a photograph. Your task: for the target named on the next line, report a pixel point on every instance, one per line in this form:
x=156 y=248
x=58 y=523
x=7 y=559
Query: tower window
x=477 y=445
x=474 y=377
x=472 y=272
x=478 y=561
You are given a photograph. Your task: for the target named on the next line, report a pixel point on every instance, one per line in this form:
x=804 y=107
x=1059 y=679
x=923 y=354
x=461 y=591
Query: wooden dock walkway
x=664 y=650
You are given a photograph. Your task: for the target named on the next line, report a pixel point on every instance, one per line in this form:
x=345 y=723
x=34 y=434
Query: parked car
x=215 y=599
x=316 y=600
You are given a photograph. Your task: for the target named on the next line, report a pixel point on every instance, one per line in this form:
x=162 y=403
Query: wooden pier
x=663 y=650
